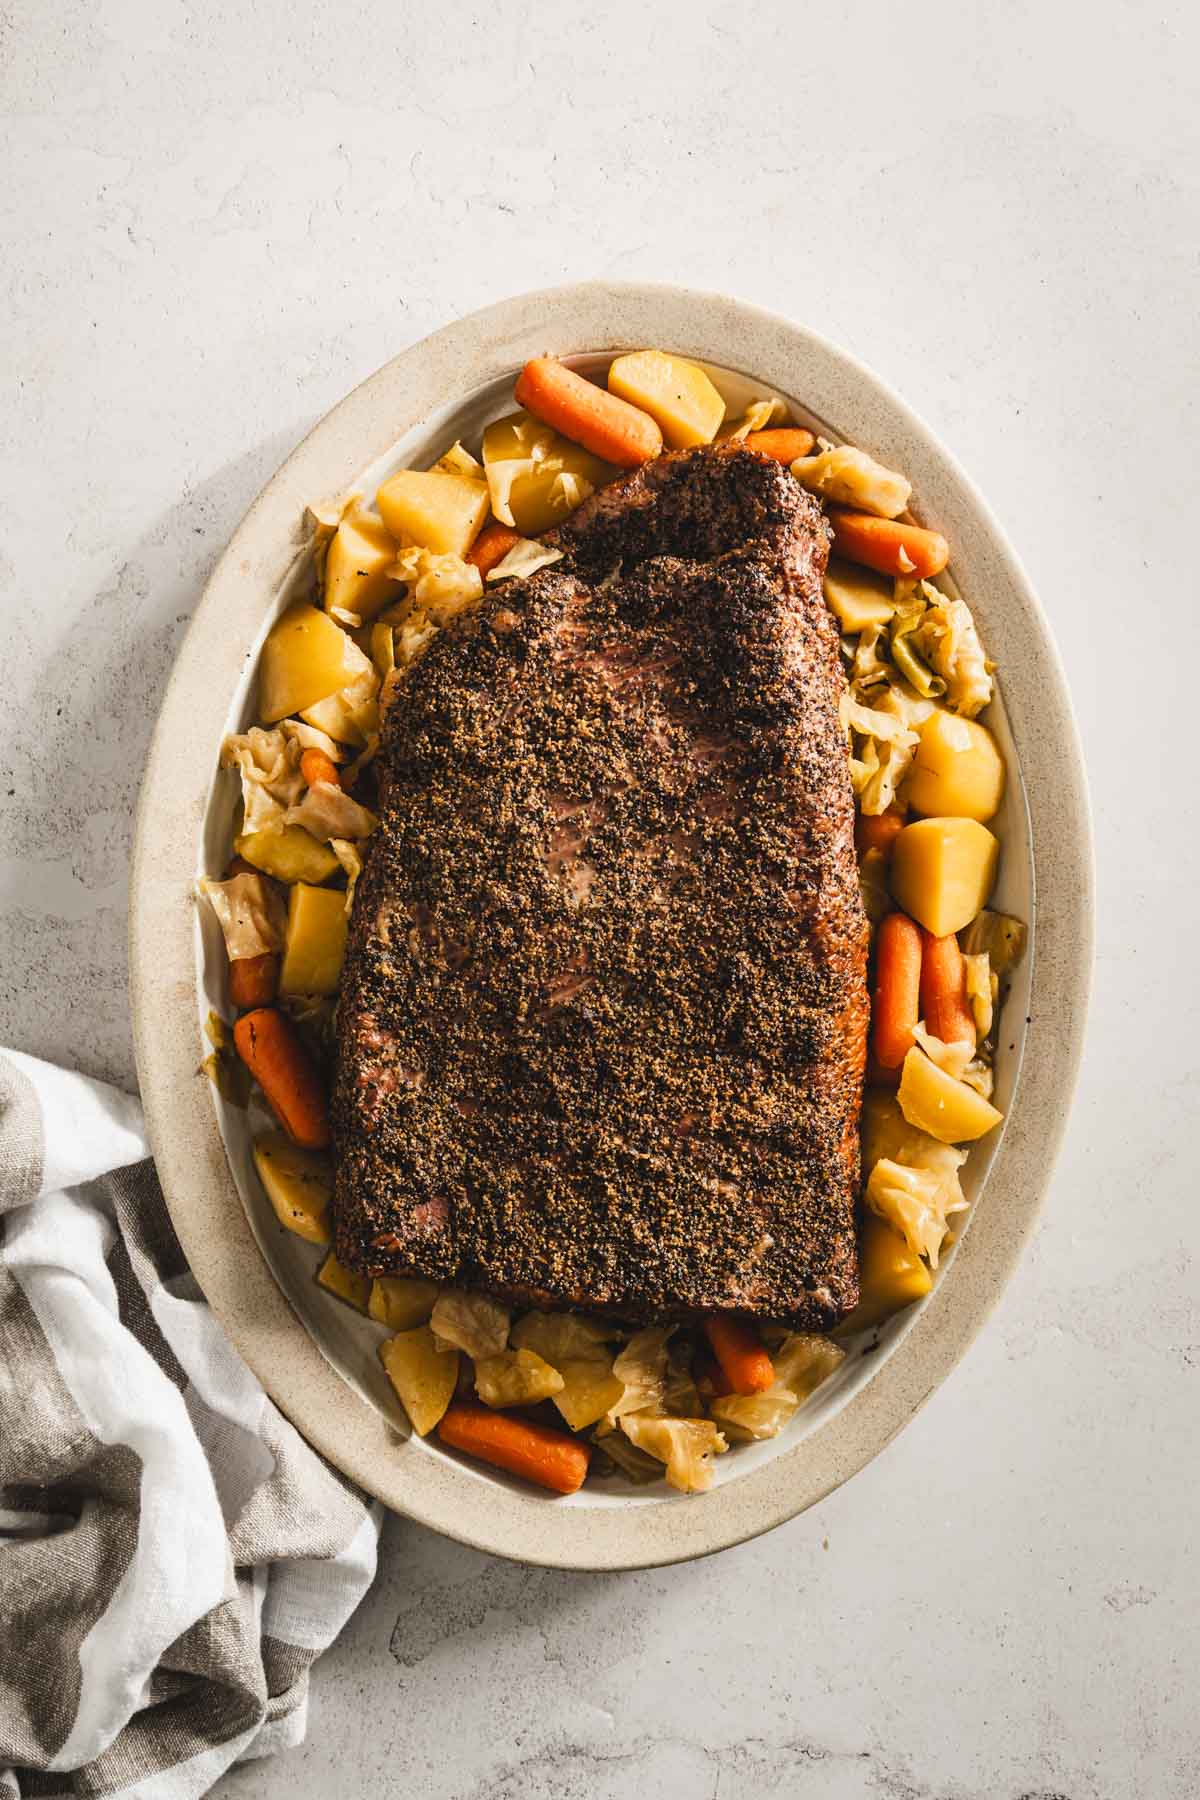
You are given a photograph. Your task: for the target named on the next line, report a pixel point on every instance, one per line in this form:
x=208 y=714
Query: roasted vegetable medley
x=554 y=1396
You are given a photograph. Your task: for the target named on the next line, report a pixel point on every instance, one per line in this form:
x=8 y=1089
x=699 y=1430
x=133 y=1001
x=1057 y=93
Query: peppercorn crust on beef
x=602 y=1026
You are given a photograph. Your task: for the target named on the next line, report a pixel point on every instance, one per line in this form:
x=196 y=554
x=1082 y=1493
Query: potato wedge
x=957 y=770
x=433 y=508
x=292 y=854
x=345 y=1283
x=890 y=1276
x=935 y=1102
x=305 y=658
x=402 y=1302
x=942 y=872
x=298 y=1183
x=422 y=1374
x=858 y=597
x=315 y=941
x=356 y=563
x=676 y=393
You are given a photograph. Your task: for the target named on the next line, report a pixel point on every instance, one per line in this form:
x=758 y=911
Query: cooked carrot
x=897 y=989
x=878 y=831
x=316 y=766
x=943 y=990
x=888 y=545
x=784 y=444
x=275 y=1054
x=254 y=980
x=739 y=1351
x=602 y=422
x=550 y=1458
x=492 y=546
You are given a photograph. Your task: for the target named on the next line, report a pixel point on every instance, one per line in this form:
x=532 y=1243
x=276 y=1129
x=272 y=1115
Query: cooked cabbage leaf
x=472 y=1322
x=251 y=912
x=850 y=477
x=525 y=558
x=686 y=1446
x=268 y=763
x=328 y=812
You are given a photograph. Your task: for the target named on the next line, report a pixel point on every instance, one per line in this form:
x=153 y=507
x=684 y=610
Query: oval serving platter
x=313 y=1355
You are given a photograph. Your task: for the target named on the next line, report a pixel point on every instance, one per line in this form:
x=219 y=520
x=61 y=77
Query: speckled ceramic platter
x=313 y=1355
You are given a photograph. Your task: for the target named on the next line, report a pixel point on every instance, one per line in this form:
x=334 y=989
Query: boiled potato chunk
x=589 y=1390
x=356 y=564
x=351 y=716
x=858 y=597
x=315 y=941
x=942 y=872
x=298 y=1185
x=422 y=1374
x=433 y=508
x=935 y=1102
x=402 y=1301
x=346 y=1283
x=957 y=771
x=676 y=393
x=306 y=657
x=890 y=1276
x=292 y=854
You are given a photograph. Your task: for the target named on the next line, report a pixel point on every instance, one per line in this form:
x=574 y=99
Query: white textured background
x=217 y=219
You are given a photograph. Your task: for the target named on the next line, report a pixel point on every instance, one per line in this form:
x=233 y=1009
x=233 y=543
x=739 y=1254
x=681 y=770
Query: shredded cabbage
x=309 y=738
x=458 y=461
x=515 y=1378
x=627 y=1457
x=472 y=1322
x=850 y=477
x=982 y=988
x=502 y=477
x=269 y=765
x=915 y=1201
x=1003 y=939
x=525 y=558
x=328 y=812
x=760 y=415
x=886 y=727
x=887 y=1134
x=350 y=857
x=642 y=1369
x=251 y=913
x=957 y=1060
x=440 y=586
x=686 y=1446
x=946 y=638
x=802 y=1362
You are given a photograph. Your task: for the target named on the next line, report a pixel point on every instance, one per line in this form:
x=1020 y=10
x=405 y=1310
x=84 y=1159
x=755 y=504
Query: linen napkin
x=173 y=1555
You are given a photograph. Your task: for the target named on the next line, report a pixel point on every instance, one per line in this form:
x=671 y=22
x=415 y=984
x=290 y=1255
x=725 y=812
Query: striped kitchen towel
x=173 y=1555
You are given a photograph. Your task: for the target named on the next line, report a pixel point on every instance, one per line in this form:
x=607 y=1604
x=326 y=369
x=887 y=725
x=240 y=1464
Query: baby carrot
x=878 y=831
x=739 y=1351
x=943 y=990
x=254 y=980
x=888 y=545
x=602 y=422
x=492 y=546
x=897 y=989
x=316 y=766
x=784 y=444
x=550 y=1458
x=274 y=1052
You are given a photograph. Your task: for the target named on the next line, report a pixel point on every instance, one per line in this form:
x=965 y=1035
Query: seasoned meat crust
x=602 y=1025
